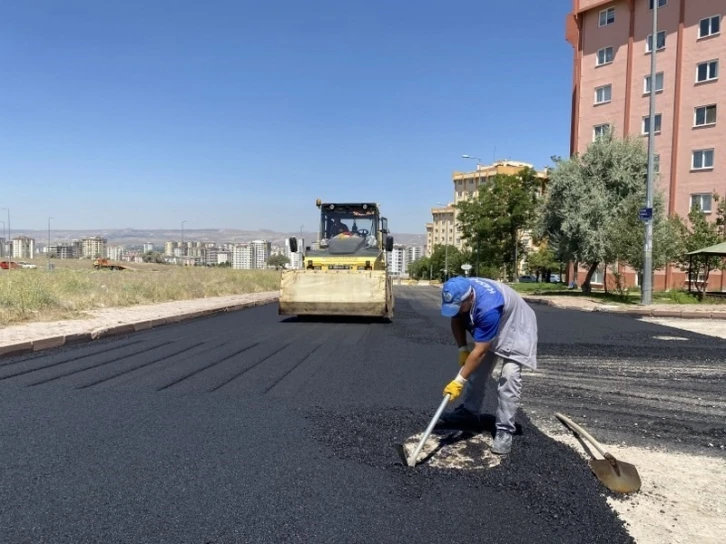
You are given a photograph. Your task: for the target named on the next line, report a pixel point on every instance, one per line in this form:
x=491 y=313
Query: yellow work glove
x=463 y=355
x=455 y=387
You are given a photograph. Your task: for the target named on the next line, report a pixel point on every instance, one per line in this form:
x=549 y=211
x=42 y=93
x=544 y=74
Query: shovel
x=618 y=476
x=411 y=461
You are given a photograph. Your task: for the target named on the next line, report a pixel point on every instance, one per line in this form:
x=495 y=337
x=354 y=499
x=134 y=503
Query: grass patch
x=39 y=295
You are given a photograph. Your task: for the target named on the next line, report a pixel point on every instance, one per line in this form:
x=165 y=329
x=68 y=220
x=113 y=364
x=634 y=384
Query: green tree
x=153 y=257
x=543 y=261
x=590 y=196
x=456 y=257
x=492 y=223
x=699 y=233
x=628 y=238
x=419 y=269
x=277 y=260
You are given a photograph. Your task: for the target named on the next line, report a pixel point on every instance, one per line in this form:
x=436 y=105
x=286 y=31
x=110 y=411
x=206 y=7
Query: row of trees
x=586 y=213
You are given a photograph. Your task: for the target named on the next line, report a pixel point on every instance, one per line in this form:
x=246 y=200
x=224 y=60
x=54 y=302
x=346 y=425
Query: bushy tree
x=492 y=223
x=590 y=197
x=419 y=269
x=277 y=260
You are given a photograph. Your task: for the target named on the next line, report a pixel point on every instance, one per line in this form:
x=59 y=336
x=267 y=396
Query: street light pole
x=647 y=287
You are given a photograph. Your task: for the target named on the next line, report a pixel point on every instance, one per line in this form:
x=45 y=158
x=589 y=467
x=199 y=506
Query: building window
x=702 y=202
x=607 y=17
x=702 y=159
x=707 y=71
x=605 y=56
x=660 y=41
x=646 y=124
x=710 y=26
x=661 y=3
x=704 y=116
x=600 y=130
x=603 y=94
x=658 y=83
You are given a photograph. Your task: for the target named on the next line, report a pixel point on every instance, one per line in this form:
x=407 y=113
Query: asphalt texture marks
x=249 y=427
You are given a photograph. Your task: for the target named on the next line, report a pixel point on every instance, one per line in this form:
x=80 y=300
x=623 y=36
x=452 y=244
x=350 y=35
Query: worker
x=337 y=226
x=504 y=328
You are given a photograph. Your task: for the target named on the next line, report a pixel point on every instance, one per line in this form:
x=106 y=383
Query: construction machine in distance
x=347 y=274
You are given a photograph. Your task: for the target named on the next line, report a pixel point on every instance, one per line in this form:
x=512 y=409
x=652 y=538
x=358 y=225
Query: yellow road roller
x=345 y=272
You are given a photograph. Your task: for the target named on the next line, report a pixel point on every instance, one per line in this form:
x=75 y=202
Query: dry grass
x=74 y=287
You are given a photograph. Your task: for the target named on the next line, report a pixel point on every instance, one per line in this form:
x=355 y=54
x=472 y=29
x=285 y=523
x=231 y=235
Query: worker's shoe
x=502 y=443
x=459 y=417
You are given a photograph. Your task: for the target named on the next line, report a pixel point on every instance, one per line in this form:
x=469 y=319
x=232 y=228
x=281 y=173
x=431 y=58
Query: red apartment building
x=611 y=85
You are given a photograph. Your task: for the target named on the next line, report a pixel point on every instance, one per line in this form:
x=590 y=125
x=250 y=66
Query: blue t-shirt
x=486 y=314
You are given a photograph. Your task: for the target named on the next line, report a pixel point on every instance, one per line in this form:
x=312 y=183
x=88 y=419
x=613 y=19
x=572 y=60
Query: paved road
x=248 y=427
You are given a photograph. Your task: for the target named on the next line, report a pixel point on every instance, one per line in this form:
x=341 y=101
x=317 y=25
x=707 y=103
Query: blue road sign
x=645 y=214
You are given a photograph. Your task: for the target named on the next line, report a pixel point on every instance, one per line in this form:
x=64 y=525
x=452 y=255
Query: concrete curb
x=123 y=328
x=632 y=312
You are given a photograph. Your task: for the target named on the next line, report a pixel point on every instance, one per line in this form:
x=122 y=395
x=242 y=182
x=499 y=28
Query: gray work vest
x=517 y=336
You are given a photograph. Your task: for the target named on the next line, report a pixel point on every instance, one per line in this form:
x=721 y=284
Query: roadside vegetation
x=586 y=212
x=74 y=286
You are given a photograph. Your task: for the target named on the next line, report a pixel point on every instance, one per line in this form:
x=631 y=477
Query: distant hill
x=132 y=237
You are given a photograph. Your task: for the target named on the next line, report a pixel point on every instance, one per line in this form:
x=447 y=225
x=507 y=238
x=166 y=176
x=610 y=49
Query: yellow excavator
x=345 y=272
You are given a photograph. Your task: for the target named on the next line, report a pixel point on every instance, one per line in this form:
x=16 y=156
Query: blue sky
x=239 y=114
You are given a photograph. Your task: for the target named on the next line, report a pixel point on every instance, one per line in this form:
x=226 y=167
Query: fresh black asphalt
x=249 y=427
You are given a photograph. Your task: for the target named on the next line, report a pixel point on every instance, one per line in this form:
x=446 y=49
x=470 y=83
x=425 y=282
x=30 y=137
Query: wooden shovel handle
x=579 y=430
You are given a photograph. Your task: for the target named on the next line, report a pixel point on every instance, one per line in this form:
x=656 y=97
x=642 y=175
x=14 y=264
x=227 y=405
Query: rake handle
x=582 y=432
x=430 y=428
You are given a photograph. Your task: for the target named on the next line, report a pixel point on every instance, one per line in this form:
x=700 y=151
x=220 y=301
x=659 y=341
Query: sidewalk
x=37 y=336
x=685 y=311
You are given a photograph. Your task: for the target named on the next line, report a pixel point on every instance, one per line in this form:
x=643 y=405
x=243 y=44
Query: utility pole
x=647 y=287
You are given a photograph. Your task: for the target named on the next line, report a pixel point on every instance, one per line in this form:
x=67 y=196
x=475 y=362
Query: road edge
x=52 y=342
x=632 y=312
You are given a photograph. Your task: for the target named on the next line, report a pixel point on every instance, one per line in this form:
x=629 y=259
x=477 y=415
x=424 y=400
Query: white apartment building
x=397 y=260
x=93 y=247
x=413 y=253
x=169 y=248
x=296 y=260
x=23 y=247
x=261 y=252
x=224 y=256
x=148 y=246
x=242 y=257
x=116 y=253
x=3 y=243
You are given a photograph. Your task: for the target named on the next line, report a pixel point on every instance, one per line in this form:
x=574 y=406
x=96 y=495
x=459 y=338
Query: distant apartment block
x=169 y=248
x=93 y=247
x=401 y=258
x=296 y=261
x=23 y=247
x=3 y=244
x=261 y=250
x=148 y=247
x=613 y=44
x=243 y=257
x=116 y=253
x=444 y=227
x=63 y=250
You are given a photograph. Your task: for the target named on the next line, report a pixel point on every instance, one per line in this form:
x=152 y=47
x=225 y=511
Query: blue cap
x=453 y=293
